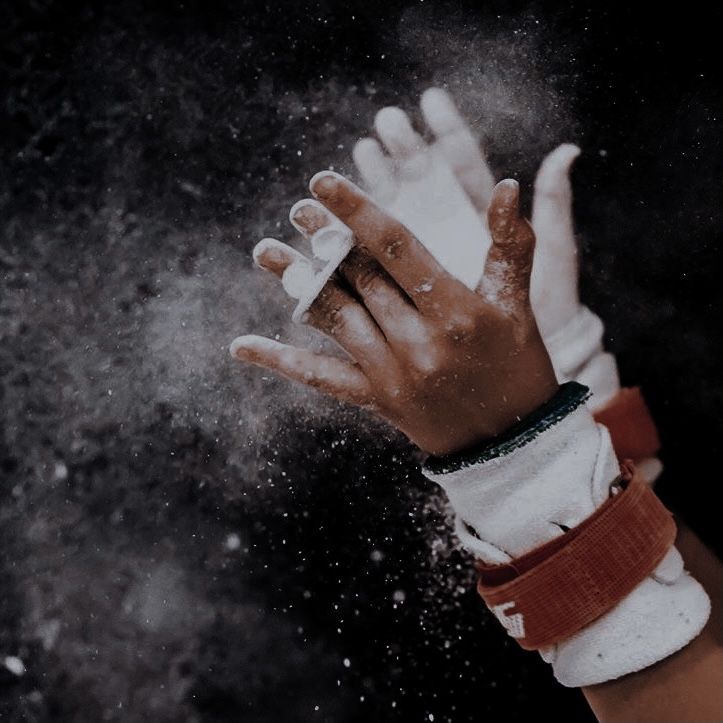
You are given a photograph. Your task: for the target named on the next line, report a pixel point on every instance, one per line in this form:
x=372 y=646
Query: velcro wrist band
x=553 y=591
x=513 y=501
x=630 y=424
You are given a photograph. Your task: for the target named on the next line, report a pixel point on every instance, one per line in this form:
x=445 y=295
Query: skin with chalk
x=442 y=191
x=447 y=365
x=436 y=189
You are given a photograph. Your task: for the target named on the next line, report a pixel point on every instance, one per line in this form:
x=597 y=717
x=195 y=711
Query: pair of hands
x=442 y=191
x=447 y=364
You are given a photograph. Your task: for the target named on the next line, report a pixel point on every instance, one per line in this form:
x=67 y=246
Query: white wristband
x=577 y=353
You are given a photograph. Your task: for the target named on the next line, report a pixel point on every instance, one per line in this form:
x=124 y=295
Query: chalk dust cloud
x=180 y=530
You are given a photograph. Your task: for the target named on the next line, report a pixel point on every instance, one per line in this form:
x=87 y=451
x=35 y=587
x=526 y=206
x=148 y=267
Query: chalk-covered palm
x=441 y=192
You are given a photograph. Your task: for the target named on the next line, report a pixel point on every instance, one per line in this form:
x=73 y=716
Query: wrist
x=514 y=403
x=546 y=477
x=559 y=403
x=576 y=350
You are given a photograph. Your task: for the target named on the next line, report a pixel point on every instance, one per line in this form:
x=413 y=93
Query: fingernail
x=240 y=347
x=263 y=247
x=509 y=183
x=324 y=184
x=308 y=216
x=297 y=210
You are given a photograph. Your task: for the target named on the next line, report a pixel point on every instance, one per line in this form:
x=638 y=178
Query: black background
x=145 y=149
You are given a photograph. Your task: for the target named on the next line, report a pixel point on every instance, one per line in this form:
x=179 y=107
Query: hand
x=442 y=191
x=447 y=365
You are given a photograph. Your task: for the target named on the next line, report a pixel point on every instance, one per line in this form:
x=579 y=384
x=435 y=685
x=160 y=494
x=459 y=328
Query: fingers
x=407 y=160
x=327 y=235
x=293 y=268
x=337 y=377
x=459 y=146
x=552 y=205
x=334 y=311
x=308 y=216
x=506 y=278
x=418 y=273
x=376 y=169
x=406 y=147
x=387 y=303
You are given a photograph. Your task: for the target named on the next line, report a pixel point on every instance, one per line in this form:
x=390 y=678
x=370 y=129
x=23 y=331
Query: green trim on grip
x=568 y=397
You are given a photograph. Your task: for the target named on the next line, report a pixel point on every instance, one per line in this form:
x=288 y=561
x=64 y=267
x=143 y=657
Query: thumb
x=552 y=203
x=555 y=297
x=506 y=279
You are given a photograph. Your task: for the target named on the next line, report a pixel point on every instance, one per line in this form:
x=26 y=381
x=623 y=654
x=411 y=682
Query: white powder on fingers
x=406 y=146
x=326 y=233
x=553 y=177
x=313 y=286
x=328 y=242
x=432 y=205
x=330 y=239
x=255 y=342
x=376 y=169
x=440 y=112
x=263 y=247
x=297 y=278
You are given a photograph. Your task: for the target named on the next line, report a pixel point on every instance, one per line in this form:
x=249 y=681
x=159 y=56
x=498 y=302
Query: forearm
x=687 y=686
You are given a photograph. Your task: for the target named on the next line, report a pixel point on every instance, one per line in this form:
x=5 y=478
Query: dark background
x=184 y=540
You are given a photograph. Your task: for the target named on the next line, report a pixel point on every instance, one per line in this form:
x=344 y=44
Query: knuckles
x=437 y=346
x=461 y=327
x=426 y=362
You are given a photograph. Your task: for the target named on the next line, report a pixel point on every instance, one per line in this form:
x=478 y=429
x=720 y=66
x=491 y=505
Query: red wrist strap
x=630 y=424
x=561 y=587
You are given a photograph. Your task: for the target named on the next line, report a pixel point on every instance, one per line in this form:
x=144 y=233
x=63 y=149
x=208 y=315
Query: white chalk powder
x=297 y=278
x=313 y=286
x=14 y=665
x=327 y=243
